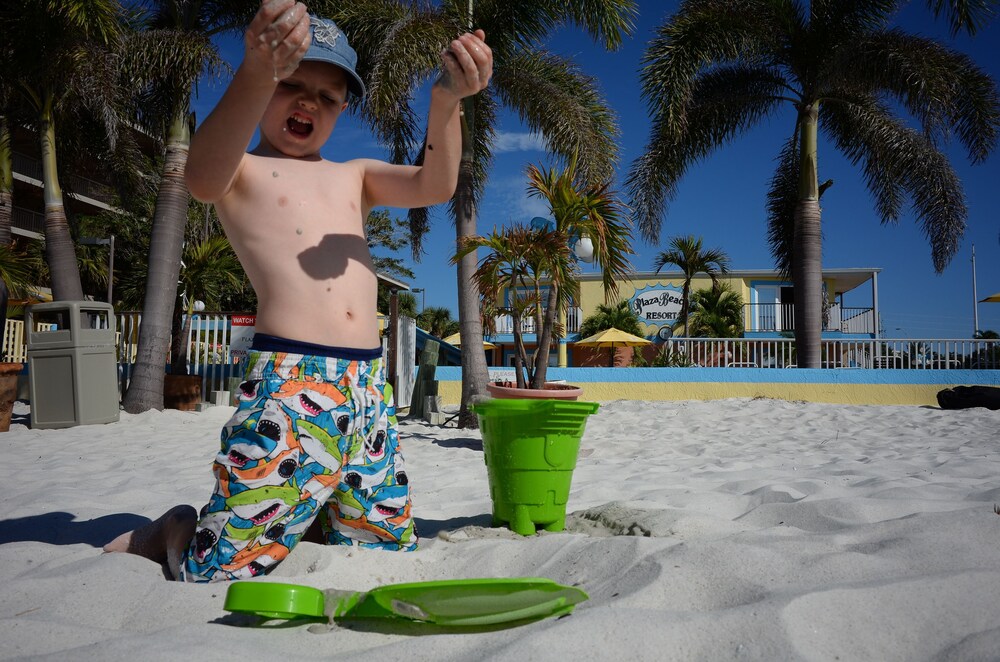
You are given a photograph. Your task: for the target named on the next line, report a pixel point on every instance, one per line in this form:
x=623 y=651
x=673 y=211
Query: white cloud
x=508 y=141
x=507 y=201
x=531 y=207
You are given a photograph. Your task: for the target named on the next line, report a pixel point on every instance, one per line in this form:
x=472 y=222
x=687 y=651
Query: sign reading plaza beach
x=657 y=305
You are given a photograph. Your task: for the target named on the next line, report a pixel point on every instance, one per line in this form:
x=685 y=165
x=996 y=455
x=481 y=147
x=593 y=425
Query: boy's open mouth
x=300 y=126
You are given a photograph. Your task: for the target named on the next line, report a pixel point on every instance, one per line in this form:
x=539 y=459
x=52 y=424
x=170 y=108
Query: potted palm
x=8 y=371
x=18 y=271
x=516 y=262
x=15 y=276
x=535 y=266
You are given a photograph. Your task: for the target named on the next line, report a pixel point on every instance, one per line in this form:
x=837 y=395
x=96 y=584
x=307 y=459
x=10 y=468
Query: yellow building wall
x=592 y=292
x=855 y=394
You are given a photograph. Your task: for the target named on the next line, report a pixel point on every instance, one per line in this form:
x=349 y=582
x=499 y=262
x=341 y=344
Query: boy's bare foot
x=162 y=540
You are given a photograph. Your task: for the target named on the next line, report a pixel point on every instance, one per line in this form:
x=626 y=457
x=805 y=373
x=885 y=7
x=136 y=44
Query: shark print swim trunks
x=314 y=435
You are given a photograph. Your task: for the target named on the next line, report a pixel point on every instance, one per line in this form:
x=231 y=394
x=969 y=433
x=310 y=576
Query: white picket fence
x=209 y=352
x=211 y=355
x=208 y=344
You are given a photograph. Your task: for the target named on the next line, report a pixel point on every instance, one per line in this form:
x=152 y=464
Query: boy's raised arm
x=467 y=68
x=274 y=43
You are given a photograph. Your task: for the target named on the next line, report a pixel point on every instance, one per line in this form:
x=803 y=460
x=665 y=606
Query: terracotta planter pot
x=8 y=392
x=181 y=392
x=550 y=392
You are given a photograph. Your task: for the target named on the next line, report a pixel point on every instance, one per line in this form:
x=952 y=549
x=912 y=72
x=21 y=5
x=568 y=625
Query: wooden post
x=425 y=379
x=393 y=337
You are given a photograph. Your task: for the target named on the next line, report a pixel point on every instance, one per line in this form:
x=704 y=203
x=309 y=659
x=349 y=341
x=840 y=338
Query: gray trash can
x=72 y=366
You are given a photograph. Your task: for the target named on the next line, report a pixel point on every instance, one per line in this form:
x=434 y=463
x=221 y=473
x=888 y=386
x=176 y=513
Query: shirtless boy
x=314 y=436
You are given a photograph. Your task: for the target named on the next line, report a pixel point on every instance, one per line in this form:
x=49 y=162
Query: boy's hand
x=278 y=37
x=467 y=65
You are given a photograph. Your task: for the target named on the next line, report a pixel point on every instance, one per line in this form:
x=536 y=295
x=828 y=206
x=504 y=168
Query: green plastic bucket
x=530 y=448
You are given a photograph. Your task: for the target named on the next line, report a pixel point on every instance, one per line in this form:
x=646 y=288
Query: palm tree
x=6 y=205
x=608 y=316
x=716 y=312
x=384 y=232
x=169 y=56
x=580 y=210
x=516 y=261
x=717 y=68
x=437 y=321
x=63 y=64
x=548 y=92
x=17 y=274
x=6 y=180
x=687 y=254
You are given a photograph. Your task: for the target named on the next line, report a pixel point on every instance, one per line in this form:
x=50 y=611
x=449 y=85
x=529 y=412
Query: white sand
x=736 y=529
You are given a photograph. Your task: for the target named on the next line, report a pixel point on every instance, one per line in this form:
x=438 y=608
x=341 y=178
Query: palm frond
x=398 y=47
x=702 y=34
x=556 y=100
x=942 y=88
x=896 y=158
x=523 y=25
x=967 y=15
x=782 y=197
x=724 y=103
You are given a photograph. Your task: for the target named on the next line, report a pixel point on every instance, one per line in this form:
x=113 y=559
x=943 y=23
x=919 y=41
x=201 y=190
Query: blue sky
x=722 y=198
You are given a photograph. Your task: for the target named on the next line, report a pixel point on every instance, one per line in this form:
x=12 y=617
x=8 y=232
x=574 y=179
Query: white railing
x=505 y=323
x=781 y=317
x=208 y=343
x=210 y=356
x=906 y=354
x=14 y=350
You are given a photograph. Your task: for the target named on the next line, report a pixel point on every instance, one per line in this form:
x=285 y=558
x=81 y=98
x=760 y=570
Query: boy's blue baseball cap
x=329 y=44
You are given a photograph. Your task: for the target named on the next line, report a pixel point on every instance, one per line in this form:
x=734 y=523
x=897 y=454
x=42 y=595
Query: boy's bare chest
x=307 y=193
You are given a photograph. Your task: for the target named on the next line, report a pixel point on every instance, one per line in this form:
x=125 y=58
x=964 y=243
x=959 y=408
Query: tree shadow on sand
x=472 y=443
x=62 y=528
x=430 y=528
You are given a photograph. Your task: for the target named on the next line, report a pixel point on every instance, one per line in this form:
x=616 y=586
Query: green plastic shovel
x=451 y=602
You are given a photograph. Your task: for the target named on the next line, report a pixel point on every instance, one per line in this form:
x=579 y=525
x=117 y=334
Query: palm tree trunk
x=145 y=390
x=474 y=372
x=59 y=250
x=6 y=210
x=807 y=258
x=180 y=331
x=545 y=338
x=6 y=183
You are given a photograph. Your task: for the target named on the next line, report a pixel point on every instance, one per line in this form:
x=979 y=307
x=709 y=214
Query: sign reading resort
x=657 y=305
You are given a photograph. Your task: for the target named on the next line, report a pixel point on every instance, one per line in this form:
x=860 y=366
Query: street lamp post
x=421 y=291
x=975 y=296
x=583 y=248
x=110 y=243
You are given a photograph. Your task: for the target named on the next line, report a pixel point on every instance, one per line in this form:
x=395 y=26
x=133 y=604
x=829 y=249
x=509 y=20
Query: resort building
x=655 y=299
x=83 y=191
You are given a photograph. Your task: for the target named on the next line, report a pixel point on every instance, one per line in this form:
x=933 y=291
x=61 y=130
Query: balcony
x=778 y=317
x=79 y=187
x=505 y=323
x=25 y=219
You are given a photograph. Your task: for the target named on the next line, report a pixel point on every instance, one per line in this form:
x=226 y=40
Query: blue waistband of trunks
x=263 y=342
